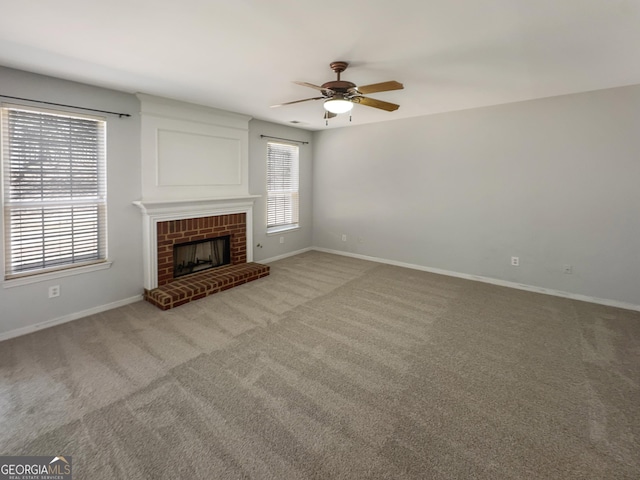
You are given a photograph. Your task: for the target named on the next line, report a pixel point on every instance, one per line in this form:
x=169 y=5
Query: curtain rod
x=286 y=139
x=70 y=106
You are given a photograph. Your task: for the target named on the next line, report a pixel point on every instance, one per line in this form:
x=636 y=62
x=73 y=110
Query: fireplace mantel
x=180 y=206
x=157 y=210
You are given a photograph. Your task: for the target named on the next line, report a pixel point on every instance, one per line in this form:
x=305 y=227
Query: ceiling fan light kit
x=339 y=95
x=338 y=104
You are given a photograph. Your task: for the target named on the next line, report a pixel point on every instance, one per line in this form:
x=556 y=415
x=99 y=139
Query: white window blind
x=54 y=198
x=282 y=186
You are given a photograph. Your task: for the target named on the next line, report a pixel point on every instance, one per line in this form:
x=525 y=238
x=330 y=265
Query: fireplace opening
x=201 y=255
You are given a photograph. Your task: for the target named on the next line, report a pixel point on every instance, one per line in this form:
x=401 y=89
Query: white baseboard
x=493 y=281
x=285 y=255
x=67 y=318
x=102 y=308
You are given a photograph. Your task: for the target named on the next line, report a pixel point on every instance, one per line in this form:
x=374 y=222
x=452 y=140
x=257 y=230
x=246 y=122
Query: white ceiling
x=242 y=55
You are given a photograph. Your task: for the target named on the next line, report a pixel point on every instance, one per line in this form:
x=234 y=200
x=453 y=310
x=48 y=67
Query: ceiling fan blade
x=380 y=87
x=372 y=102
x=311 y=85
x=296 y=101
x=328 y=115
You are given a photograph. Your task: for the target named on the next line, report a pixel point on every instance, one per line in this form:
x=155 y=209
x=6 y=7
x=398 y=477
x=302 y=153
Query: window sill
x=277 y=230
x=43 y=277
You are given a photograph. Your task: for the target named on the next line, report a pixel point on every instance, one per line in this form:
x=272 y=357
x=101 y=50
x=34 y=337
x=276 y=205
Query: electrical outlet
x=281 y=239
x=515 y=261
x=54 y=291
x=568 y=269
x=344 y=237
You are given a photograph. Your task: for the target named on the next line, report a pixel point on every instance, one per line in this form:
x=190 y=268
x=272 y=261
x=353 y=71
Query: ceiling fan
x=339 y=95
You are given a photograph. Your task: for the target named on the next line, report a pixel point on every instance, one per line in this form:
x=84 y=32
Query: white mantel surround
x=154 y=211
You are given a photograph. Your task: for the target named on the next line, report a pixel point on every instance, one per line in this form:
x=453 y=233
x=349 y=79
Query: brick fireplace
x=176 y=232
x=168 y=224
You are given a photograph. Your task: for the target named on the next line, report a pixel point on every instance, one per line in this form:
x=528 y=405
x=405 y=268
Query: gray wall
x=294 y=240
x=28 y=305
x=553 y=181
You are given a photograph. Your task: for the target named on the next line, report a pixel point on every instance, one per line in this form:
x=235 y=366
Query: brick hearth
x=172 y=292
x=199 y=285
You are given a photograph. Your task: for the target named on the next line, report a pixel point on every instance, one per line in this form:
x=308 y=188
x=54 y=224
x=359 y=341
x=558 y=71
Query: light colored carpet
x=334 y=368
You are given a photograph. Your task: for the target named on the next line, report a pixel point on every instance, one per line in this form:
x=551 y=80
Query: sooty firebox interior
x=201 y=255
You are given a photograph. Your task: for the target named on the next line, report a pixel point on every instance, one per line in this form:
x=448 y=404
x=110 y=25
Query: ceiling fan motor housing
x=339 y=86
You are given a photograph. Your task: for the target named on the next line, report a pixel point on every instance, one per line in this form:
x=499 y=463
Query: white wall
x=554 y=181
x=294 y=240
x=28 y=305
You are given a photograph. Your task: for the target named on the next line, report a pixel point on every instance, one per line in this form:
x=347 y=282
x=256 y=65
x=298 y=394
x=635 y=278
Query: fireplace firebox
x=192 y=257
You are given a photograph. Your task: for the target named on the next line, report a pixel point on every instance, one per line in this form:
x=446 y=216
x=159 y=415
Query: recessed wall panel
x=188 y=159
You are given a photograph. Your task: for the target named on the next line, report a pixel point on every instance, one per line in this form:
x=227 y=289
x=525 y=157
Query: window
x=282 y=187
x=54 y=195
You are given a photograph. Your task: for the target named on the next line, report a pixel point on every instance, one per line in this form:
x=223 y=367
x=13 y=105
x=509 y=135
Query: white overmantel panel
x=154 y=211
x=191 y=151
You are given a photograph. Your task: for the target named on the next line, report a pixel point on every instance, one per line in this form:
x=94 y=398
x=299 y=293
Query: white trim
x=285 y=255
x=154 y=211
x=158 y=206
x=67 y=318
x=276 y=230
x=43 y=277
x=493 y=281
x=92 y=311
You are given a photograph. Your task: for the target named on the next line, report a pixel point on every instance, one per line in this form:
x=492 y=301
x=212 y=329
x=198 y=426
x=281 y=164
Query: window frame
x=295 y=224
x=99 y=200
